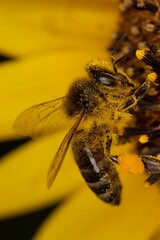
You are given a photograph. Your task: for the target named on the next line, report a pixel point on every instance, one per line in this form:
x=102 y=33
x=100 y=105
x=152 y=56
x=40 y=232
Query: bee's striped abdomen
x=98 y=172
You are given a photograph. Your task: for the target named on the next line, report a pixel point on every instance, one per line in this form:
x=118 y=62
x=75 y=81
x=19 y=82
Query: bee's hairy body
x=103 y=106
x=99 y=102
x=91 y=145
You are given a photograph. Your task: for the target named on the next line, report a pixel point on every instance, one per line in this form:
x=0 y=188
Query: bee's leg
x=151 y=165
x=153 y=178
x=131 y=101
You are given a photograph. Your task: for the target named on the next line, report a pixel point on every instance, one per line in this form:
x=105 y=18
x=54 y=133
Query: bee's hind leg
x=153 y=179
x=152 y=166
x=135 y=164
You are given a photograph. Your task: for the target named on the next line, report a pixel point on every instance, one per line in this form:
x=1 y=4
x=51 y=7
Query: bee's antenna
x=118 y=44
x=115 y=50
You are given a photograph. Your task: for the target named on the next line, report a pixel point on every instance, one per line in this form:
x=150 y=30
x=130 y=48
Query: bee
x=103 y=106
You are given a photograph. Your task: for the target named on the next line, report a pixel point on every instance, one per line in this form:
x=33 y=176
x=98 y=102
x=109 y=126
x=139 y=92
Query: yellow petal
x=84 y=216
x=23 y=185
x=33 y=27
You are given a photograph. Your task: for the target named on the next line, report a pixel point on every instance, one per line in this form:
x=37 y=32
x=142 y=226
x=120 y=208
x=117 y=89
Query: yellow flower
x=51 y=42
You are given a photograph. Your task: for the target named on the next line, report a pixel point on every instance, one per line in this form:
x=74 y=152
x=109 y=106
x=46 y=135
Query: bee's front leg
x=152 y=166
x=132 y=100
x=153 y=179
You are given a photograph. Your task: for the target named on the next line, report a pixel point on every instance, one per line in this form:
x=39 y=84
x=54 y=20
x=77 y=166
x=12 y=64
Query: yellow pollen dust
x=152 y=77
x=140 y=54
x=131 y=164
x=143 y=139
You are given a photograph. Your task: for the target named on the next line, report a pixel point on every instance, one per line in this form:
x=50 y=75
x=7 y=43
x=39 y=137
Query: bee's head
x=105 y=73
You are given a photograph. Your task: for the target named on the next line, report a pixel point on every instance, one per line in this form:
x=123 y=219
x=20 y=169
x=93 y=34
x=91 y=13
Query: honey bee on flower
x=104 y=107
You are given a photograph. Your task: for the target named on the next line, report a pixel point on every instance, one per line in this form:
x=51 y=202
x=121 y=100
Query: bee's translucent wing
x=41 y=119
x=59 y=156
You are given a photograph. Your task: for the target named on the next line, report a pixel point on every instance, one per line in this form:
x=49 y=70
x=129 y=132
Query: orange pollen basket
x=131 y=164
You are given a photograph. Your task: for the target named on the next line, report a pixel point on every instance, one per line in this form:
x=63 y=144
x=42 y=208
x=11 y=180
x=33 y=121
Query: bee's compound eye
x=106 y=81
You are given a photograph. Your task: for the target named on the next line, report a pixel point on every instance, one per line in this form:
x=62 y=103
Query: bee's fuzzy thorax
x=80 y=97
